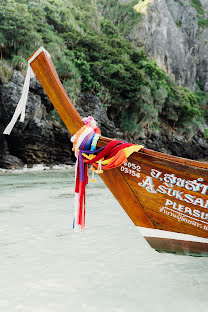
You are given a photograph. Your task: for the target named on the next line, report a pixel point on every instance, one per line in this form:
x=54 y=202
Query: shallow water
x=45 y=266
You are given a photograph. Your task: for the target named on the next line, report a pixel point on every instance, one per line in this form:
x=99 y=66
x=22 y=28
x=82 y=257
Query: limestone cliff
x=42 y=138
x=175 y=34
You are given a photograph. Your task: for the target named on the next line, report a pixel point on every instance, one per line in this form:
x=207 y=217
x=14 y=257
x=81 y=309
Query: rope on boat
x=21 y=106
x=113 y=155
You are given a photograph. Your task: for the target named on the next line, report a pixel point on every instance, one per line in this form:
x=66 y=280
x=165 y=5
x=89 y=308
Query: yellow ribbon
x=127 y=151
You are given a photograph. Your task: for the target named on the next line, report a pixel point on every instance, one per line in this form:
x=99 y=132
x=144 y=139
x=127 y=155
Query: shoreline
x=43 y=167
x=37 y=168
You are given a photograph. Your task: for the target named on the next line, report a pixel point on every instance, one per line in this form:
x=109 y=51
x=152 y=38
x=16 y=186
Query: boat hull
x=164 y=194
x=175 y=243
x=174 y=196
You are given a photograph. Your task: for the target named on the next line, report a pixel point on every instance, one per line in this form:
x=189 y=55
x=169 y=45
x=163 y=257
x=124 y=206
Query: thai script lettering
x=168 y=189
x=180 y=217
x=167 y=186
x=171 y=180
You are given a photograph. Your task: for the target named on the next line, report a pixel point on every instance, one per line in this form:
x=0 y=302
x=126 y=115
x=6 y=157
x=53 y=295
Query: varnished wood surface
x=161 y=157
x=126 y=197
x=153 y=202
x=142 y=207
x=46 y=74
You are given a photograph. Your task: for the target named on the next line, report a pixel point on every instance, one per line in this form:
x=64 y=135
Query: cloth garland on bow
x=113 y=155
x=21 y=106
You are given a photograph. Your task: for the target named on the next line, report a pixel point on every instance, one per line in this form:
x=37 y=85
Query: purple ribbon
x=81 y=163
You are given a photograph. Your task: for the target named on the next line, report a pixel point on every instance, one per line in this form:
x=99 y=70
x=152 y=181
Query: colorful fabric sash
x=113 y=155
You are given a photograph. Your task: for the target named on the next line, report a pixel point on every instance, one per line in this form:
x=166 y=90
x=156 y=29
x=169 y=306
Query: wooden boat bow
x=164 y=195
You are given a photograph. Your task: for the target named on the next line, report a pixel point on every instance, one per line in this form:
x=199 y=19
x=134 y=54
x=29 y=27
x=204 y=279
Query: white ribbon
x=81 y=138
x=21 y=106
x=76 y=200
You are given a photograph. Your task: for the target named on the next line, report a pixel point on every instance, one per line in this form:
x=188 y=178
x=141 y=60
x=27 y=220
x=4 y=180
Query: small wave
x=38 y=168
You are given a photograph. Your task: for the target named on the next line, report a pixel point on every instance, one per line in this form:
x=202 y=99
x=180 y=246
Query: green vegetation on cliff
x=198 y=6
x=87 y=41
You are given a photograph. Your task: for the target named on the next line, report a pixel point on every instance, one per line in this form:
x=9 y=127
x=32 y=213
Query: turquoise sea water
x=46 y=266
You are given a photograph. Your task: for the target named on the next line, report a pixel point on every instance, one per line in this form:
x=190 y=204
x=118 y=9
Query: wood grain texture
x=46 y=74
x=167 y=223
x=152 y=203
x=161 y=157
x=142 y=207
x=126 y=197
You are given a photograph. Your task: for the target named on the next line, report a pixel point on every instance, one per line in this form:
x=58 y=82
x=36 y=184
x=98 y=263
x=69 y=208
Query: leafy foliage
x=87 y=40
x=122 y=15
x=203 y=22
x=198 y=6
x=5 y=71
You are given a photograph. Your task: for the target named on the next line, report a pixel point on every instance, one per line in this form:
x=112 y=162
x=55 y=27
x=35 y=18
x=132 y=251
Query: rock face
x=174 y=33
x=89 y=104
x=38 y=139
x=175 y=144
x=168 y=140
x=41 y=138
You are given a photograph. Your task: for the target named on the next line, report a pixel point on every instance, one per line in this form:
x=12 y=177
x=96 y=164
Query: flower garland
x=110 y=156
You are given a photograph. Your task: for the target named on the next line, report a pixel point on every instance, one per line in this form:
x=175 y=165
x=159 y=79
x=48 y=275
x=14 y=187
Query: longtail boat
x=165 y=196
